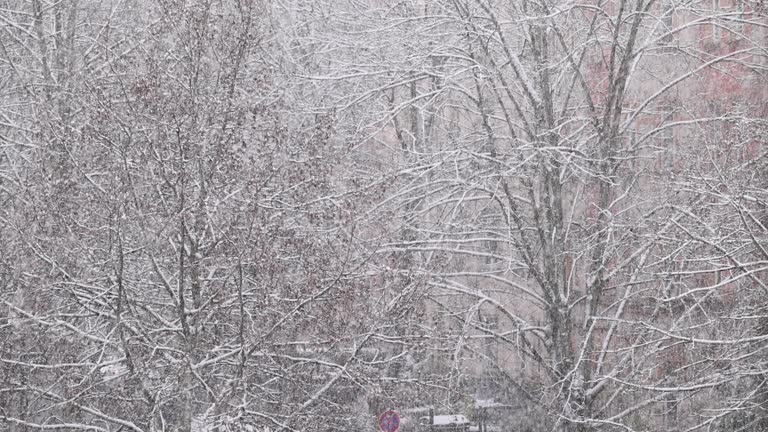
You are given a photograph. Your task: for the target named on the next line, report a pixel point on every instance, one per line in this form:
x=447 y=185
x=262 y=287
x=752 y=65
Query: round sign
x=389 y=421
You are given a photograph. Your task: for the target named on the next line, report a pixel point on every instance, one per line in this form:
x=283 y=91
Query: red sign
x=389 y=421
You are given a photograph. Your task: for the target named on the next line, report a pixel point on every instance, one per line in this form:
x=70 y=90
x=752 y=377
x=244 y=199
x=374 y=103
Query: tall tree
x=543 y=169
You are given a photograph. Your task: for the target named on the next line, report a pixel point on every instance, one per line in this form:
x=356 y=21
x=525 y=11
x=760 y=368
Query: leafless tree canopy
x=294 y=215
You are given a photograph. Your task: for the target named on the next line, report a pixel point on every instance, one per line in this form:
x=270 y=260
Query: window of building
x=665 y=139
x=491 y=323
x=715 y=27
x=491 y=247
x=740 y=17
x=666 y=20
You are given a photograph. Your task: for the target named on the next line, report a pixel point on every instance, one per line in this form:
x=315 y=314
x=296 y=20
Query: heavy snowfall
x=362 y=215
